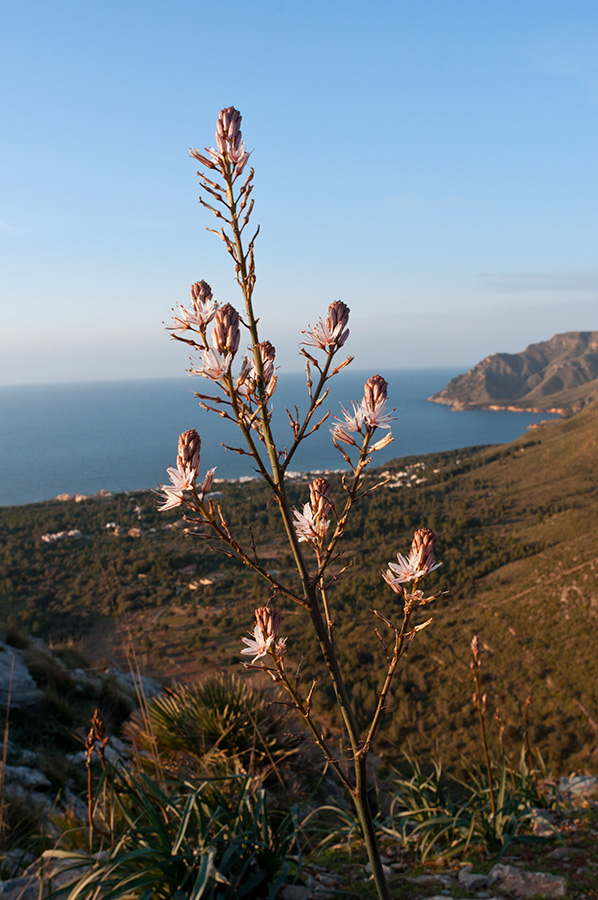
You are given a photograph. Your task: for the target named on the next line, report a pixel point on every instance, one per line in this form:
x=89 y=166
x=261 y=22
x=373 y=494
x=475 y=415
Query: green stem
x=359 y=793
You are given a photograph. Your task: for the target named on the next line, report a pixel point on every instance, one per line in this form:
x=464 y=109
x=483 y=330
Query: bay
x=121 y=435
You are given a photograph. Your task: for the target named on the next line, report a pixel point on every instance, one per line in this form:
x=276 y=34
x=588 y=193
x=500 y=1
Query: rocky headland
x=555 y=376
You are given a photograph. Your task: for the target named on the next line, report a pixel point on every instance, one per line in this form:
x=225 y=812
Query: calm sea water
x=80 y=438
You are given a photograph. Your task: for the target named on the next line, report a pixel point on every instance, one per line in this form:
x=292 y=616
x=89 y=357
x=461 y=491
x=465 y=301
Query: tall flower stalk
x=214 y=334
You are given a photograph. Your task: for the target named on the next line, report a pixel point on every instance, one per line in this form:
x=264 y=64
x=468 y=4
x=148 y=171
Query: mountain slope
x=556 y=375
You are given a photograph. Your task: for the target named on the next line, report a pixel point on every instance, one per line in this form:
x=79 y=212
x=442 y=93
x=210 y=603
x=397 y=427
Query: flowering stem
x=312 y=407
x=479 y=706
x=247 y=287
x=303 y=708
x=359 y=792
x=352 y=493
x=398 y=651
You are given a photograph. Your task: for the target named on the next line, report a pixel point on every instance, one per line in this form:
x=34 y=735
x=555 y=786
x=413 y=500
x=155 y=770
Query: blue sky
x=430 y=162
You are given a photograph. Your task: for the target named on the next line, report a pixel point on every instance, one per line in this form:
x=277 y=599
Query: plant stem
x=362 y=805
x=479 y=704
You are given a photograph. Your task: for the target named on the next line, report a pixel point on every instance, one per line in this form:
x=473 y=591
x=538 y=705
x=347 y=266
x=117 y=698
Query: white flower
x=420 y=562
x=184 y=321
x=213 y=364
x=344 y=430
x=307 y=526
x=183 y=478
x=403 y=571
x=374 y=415
x=257 y=646
x=172 y=497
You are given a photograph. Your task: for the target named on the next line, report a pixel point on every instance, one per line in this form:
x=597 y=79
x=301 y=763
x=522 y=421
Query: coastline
x=462 y=406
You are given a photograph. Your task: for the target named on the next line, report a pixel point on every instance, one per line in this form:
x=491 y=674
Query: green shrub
x=217 y=725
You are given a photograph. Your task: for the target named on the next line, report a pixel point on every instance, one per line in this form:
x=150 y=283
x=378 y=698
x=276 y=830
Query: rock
x=472 y=880
x=22 y=776
x=28 y=758
x=564 y=853
x=528 y=884
x=114 y=751
x=134 y=684
x=15 y=679
x=86 y=681
x=296 y=892
x=26 y=888
x=578 y=785
x=542 y=822
x=386 y=869
x=444 y=879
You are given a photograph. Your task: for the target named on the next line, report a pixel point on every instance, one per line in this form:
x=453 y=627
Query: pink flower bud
x=375 y=391
x=337 y=320
x=268 y=621
x=226 y=333
x=200 y=292
x=319 y=497
x=229 y=139
x=329 y=335
x=189 y=452
x=422 y=550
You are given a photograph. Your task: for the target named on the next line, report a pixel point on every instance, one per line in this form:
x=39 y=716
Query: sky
x=432 y=163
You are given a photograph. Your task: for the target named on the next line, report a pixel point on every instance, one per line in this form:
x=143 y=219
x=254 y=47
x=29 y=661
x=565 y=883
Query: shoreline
x=462 y=406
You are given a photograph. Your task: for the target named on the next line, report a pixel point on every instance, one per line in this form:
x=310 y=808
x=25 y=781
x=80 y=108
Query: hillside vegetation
x=556 y=375
x=518 y=536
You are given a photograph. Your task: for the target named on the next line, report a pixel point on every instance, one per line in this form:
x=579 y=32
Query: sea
x=122 y=435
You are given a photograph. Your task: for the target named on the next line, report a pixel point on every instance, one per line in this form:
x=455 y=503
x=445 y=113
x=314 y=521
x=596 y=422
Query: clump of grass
x=213 y=838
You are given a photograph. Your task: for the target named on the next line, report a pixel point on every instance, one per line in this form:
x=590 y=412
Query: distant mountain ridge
x=559 y=375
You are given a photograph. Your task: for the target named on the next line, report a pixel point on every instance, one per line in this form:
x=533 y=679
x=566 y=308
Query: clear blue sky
x=430 y=162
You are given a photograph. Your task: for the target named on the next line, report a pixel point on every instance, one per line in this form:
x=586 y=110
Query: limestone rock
x=296 y=892
x=528 y=884
x=23 y=776
x=131 y=685
x=15 y=679
x=26 y=888
x=579 y=785
x=472 y=880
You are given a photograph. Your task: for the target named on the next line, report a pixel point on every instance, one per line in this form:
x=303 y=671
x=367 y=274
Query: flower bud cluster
x=476 y=662
x=231 y=147
x=331 y=334
x=247 y=382
x=265 y=638
x=419 y=563
x=189 y=452
x=311 y=524
x=226 y=333
x=183 y=477
x=371 y=413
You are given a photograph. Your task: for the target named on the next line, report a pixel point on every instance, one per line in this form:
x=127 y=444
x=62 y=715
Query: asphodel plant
x=242 y=389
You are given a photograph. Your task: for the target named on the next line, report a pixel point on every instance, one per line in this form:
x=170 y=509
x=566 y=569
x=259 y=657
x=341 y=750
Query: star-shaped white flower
x=172 y=497
x=257 y=646
x=213 y=364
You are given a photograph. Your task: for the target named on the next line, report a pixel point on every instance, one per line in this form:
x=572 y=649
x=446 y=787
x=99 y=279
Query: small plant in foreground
x=439 y=815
